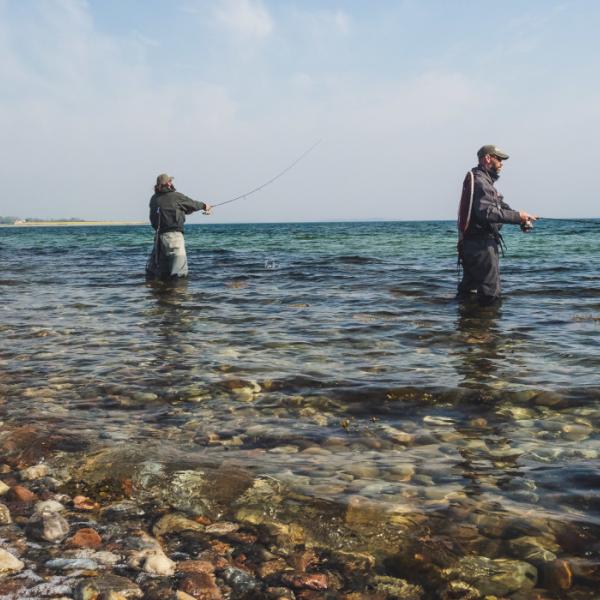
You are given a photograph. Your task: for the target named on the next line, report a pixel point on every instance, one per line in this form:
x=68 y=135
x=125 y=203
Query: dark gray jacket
x=168 y=210
x=489 y=210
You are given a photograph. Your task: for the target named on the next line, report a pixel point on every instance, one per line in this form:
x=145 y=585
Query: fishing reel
x=526 y=226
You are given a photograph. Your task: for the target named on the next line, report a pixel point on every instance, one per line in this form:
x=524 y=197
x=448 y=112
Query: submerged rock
x=173 y=523
x=496 y=577
x=34 y=472
x=9 y=563
x=398 y=588
x=5 y=518
x=48 y=526
x=48 y=506
x=110 y=587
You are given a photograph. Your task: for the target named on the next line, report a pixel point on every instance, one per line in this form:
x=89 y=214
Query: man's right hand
x=527 y=217
x=207 y=209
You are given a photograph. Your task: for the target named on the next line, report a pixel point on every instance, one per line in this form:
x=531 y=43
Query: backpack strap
x=466 y=204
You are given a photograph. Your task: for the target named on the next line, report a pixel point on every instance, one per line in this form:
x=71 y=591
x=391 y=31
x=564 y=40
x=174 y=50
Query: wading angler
x=168 y=208
x=481 y=213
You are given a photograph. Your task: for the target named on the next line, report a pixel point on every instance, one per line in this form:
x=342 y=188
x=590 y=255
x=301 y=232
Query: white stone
x=158 y=563
x=48 y=506
x=9 y=563
x=34 y=472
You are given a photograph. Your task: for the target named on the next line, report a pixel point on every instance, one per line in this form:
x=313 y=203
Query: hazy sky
x=97 y=97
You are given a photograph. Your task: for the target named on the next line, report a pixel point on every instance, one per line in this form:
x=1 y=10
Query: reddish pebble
x=22 y=494
x=84 y=503
x=196 y=566
x=85 y=538
x=312 y=581
x=201 y=586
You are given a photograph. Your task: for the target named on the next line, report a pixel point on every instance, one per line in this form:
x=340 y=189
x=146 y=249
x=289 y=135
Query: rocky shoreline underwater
x=116 y=523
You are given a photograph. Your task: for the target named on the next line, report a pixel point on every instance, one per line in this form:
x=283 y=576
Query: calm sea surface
x=331 y=357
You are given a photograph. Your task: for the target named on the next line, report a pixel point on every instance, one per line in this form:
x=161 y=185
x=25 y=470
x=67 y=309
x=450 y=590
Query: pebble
x=86 y=537
x=5 y=518
x=152 y=561
x=200 y=585
x=109 y=587
x=222 y=528
x=9 y=563
x=72 y=564
x=34 y=472
x=47 y=526
x=175 y=522
x=3 y=488
x=84 y=503
x=49 y=506
x=22 y=494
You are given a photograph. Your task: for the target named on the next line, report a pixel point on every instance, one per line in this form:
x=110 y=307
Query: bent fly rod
x=264 y=185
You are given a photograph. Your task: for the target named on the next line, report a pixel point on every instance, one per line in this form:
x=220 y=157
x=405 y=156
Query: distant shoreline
x=71 y=223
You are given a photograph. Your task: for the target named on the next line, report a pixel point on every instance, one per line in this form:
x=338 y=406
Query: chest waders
x=155 y=255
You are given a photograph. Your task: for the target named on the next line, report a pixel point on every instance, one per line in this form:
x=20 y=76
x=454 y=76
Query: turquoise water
x=330 y=356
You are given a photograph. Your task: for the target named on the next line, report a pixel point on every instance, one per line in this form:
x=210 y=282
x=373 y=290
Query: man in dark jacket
x=167 y=215
x=481 y=215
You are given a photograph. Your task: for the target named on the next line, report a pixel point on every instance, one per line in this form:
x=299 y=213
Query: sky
x=100 y=96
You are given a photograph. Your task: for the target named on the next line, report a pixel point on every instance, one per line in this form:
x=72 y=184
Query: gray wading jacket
x=489 y=210
x=168 y=210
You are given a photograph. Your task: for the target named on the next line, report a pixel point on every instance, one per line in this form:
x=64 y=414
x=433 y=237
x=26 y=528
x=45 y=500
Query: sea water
x=332 y=358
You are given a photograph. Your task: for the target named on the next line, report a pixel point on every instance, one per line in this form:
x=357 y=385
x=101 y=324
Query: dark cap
x=492 y=150
x=163 y=179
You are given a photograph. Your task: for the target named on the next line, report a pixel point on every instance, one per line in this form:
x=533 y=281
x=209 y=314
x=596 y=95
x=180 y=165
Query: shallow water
x=331 y=357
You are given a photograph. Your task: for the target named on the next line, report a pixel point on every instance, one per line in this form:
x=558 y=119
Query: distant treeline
x=13 y=220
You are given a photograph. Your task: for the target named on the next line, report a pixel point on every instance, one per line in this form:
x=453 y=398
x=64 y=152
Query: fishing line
x=264 y=185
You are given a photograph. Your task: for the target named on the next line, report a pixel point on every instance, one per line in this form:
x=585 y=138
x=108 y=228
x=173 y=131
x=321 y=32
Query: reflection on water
x=482 y=343
x=321 y=366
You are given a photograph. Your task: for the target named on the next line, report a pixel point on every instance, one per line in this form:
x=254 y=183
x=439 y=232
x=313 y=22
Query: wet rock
x=534 y=549
x=240 y=581
x=195 y=566
x=173 y=523
x=459 y=590
x=279 y=593
x=72 y=564
x=107 y=587
x=19 y=493
x=153 y=561
x=222 y=528
x=271 y=567
x=577 y=431
x=84 y=503
x=5 y=518
x=47 y=526
x=49 y=506
x=558 y=575
x=547 y=399
x=201 y=586
x=397 y=588
x=34 y=472
x=121 y=511
x=86 y=537
x=310 y=581
x=9 y=563
x=496 y=577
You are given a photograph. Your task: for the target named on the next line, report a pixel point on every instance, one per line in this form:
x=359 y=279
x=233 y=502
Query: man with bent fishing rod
x=168 y=208
x=481 y=214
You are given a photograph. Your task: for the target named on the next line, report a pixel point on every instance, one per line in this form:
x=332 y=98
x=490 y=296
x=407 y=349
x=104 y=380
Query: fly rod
x=264 y=185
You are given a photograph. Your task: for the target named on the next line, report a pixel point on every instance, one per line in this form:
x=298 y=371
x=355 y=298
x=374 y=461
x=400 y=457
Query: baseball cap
x=492 y=150
x=163 y=179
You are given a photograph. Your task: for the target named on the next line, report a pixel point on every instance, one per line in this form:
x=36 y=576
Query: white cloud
x=246 y=18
